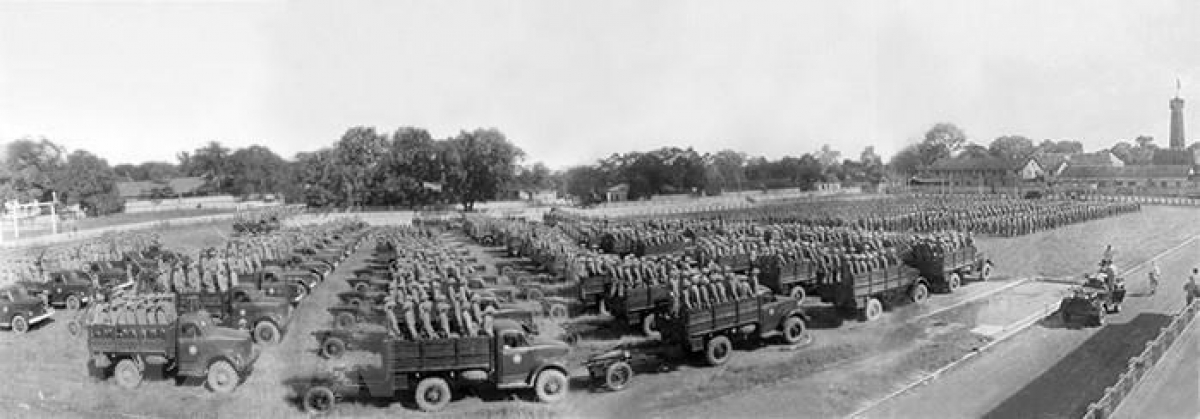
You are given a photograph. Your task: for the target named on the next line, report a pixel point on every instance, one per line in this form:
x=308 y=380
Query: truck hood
x=227 y=334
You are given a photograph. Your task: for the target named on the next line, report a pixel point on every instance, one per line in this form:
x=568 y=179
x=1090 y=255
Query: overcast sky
x=572 y=81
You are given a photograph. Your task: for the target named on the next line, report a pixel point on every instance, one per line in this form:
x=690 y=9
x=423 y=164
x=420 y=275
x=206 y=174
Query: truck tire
x=717 y=350
x=985 y=272
x=128 y=374
x=918 y=293
x=534 y=294
x=953 y=282
x=74 y=328
x=346 y=320
x=799 y=294
x=550 y=386
x=362 y=287
x=873 y=311
x=73 y=302
x=333 y=348
x=617 y=376
x=794 y=330
x=648 y=326
x=559 y=311
x=266 y=333
x=301 y=291
x=222 y=377
x=19 y=324
x=433 y=394
x=319 y=400
x=355 y=301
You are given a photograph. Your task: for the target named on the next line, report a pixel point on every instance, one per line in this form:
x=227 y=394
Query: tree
x=87 y=180
x=907 y=160
x=29 y=169
x=974 y=151
x=477 y=164
x=256 y=170
x=1064 y=146
x=211 y=162
x=730 y=168
x=941 y=141
x=1011 y=148
x=585 y=183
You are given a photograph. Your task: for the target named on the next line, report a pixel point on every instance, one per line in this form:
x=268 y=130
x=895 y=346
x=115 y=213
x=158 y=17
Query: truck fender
x=797 y=312
x=554 y=365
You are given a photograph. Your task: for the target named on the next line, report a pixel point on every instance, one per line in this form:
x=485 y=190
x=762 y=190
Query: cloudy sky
x=571 y=81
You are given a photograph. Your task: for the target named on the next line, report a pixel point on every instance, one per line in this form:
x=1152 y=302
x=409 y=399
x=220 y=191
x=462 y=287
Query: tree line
x=410 y=168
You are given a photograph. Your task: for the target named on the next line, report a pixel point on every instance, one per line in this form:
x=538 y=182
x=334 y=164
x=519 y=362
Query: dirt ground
x=848 y=364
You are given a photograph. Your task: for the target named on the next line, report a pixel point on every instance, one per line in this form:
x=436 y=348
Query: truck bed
x=407 y=356
x=852 y=289
x=638 y=300
x=720 y=316
x=158 y=339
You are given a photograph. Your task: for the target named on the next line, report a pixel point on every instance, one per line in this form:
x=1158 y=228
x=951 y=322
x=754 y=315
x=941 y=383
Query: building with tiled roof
x=980 y=174
x=1148 y=179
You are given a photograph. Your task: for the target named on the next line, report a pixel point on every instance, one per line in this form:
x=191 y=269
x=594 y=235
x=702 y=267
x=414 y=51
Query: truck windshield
x=514 y=340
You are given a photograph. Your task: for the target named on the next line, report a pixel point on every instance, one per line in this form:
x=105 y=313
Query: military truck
x=265 y=317
x=299 y=263
x=19 y=310
x=191 y=346
x=792 y=278
x=637 y=306
x=349 y=317
x=270 y=284
x=946 y=271
x=866 y=292
x=433 y=369
x=712 y=329
x=69 y=288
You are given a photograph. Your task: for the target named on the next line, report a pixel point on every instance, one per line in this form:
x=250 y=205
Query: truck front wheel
x=127 y=374
x=346 y=320
x=266 y=333
x=319 y=400
x=718 y=350
x=550 y=386
x=222 y=377
x=794 y=330
x=333 y=348
x=873 y=311
x=19 y=324
x=433 y=394
x=617 y=376
x=648 y=325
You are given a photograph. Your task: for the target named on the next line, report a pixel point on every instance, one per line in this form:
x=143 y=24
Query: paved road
x=1172 y=390
x=1051 y=370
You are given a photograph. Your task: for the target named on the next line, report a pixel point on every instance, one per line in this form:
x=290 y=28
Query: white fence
x=1140 y=366
x=200 y=202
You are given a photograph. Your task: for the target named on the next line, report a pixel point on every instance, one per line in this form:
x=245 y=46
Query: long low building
x=1154 y=180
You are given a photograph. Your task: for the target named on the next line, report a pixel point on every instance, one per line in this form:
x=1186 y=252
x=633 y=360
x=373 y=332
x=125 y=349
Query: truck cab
x=19 y=310
x=70 y=288
x=265 y=318
x=267 y=283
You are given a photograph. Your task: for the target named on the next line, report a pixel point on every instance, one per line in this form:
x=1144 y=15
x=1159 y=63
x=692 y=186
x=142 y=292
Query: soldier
x=425 y=314
x=393 y=323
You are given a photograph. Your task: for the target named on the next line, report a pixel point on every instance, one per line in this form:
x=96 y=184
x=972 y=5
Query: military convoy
x=265 y=318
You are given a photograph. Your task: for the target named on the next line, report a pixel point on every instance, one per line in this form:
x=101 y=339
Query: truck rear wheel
x=794 y=330
x=953 y=282
x=333 y=348
x=73 y=302
x=266 y=332
x=799 y=294
x=558 y=311
x=873 y=311
x=127 y=374
x=433 y=394
x=362 y=287
x=222 y=377
x=985 y=272
x=550 y=386
x=718 y=350
x=346 y=320
x=19 y=324
x=617 y=376
x=319 y=400
x=919 y=293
